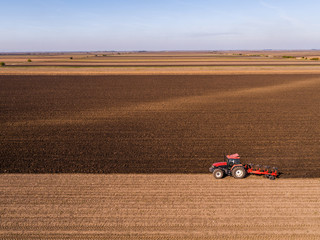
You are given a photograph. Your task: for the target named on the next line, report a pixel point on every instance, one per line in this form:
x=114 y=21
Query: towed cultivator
x=233 y=167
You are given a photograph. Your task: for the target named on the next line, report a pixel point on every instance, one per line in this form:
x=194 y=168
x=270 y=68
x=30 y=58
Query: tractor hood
x=219 y=164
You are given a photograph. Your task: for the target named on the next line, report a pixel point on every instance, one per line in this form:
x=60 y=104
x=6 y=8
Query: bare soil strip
x=145 y=70
x=140 y=206
x=165 y=64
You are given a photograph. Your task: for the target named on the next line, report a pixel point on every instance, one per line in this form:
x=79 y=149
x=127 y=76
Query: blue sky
x=123 y=25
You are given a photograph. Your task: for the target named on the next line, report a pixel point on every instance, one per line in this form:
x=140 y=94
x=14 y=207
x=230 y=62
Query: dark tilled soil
x=158 y=124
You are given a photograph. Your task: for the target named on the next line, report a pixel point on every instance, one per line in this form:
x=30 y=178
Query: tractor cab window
x=236 y=161
x=233 y=161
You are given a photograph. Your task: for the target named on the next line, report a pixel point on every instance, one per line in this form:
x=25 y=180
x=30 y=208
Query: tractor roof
x=233 y=156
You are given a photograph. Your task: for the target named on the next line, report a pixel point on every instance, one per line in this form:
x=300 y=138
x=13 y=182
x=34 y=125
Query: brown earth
x=158 y=124
x=159 y=206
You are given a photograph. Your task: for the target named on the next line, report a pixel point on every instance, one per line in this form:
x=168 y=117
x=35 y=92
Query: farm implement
x=233 y=167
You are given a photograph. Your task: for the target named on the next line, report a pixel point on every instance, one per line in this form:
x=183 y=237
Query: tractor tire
x=218 y=173
x=272 y=178
x=239 y=172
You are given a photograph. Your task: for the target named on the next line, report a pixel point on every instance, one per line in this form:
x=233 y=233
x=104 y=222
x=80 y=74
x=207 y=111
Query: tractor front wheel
x=218 y=173
x=239 y=172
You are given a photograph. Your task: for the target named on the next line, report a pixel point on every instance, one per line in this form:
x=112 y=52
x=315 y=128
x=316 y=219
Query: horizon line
x=141 y=51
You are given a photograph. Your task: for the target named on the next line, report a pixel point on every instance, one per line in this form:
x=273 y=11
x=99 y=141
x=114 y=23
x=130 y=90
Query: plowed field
x=164 y=206
x=158 y=124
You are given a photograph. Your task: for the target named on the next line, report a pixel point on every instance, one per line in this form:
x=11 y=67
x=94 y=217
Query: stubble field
x=158 y=123
x=159 y=206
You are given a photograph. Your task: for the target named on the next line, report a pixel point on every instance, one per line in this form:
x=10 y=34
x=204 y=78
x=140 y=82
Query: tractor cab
x=232 y=160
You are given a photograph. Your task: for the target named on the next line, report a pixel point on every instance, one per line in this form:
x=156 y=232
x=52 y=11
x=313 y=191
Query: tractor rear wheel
x=218 y=173
x=238 y=172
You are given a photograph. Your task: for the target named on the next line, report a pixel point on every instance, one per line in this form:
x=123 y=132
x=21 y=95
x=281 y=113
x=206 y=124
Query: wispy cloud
x=281 y=13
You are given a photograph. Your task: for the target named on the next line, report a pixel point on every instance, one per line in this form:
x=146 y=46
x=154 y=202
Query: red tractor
x=233 y=167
